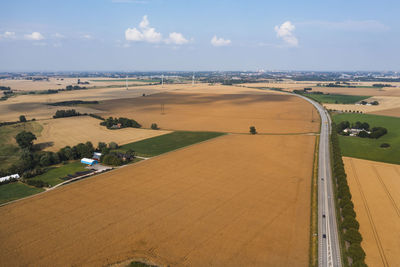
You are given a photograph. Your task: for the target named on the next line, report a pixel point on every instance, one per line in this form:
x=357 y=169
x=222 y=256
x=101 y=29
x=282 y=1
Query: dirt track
x=375 y=188
x=238 y=200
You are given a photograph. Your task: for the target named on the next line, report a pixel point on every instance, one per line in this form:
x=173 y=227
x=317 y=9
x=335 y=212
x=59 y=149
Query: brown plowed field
x=237 y=200
x=268 y=112
x=375 y=188
x=71 y=131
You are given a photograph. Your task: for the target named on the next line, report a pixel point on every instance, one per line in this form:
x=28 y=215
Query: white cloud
x=7 y=35
x=59 y=35
x=285 y=31
x=34 y=36
x=144 y=34
x=176 y=38
x=215 y=41
x=87 y=36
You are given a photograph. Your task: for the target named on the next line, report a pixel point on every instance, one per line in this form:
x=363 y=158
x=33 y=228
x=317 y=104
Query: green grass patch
x=164 y=143
x=140 y=264
x=336 y=98
x=9 y=150
x=54 y=174
x=13 y=191
x=368 y=148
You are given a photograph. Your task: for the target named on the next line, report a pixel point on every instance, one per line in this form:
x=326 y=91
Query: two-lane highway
x=328 y=241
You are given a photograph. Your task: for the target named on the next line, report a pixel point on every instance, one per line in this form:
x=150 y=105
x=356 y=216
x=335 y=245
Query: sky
x=186 y=35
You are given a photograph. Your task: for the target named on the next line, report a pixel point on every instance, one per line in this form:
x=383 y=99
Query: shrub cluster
x=348 y=224
x=122 y=122
x=66 y=113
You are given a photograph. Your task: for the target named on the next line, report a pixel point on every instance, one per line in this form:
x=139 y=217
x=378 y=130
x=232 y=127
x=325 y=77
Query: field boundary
x=313 y=251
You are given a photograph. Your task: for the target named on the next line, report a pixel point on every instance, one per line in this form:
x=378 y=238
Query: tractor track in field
x=368 y=211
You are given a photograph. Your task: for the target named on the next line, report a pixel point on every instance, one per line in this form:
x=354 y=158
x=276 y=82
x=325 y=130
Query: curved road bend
x=328 y=241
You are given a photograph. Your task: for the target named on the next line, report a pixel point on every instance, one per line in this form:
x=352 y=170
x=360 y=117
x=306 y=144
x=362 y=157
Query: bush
x=385 y=145
x=113 y=145
x=253 y=130
x=22 y=118
x=363 y=134
x=154 y=126
x=352 y=236
x=112 y=159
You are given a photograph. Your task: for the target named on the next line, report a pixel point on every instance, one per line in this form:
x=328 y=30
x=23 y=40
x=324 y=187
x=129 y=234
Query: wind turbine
x=162 y=80
x=193 y=79
x=126 y=82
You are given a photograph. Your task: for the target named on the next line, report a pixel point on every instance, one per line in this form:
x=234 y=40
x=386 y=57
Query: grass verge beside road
x=314 y=209
x=13 y=191
x=368 y=148
x=168 y=142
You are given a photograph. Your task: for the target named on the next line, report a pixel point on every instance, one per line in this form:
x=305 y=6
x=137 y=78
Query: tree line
x=111 y=123
x=348 y=225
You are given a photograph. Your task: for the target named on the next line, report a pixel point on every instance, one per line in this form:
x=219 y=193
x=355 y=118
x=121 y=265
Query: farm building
x=89 y=161
x=6 y=178
x=96 y=156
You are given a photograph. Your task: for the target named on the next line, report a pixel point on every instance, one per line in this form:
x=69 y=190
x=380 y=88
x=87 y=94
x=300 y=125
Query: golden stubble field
x=237 y=200
x=268 y=112
x=71 y=131
x=375 y=189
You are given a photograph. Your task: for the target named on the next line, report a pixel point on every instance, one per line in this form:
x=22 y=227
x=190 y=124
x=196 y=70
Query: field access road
x=328 y=241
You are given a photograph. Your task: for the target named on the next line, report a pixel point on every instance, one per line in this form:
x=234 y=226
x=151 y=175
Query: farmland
x=375 y=189
x=9 y=151
x=168 y=142
x=335 y=98
x=13 y=191
x=366 y=148
x=71 y=131
x=54 y=174
x=228 y=201
x=218 y=112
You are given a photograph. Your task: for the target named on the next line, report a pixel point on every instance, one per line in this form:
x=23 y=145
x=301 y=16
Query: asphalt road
x=328 y=240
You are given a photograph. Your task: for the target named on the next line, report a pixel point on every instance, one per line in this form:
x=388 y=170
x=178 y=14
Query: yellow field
x=375 y=189
x=237 y=200
x=385 y=103
x=71 y=131
x=268 y=112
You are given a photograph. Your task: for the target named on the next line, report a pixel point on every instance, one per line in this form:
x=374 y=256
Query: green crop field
x=367 y=148
x=16 y=190
x=336 y=98
x=9 y=151
x=54 y=174
x=168 y=142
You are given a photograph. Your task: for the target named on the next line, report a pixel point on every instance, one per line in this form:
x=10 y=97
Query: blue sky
x=142 y=35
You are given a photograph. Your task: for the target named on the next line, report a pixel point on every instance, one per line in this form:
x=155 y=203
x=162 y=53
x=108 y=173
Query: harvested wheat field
x=268 y=112
x=375 y=188
x=71 y=131
x=231 y=201
x=385 y=103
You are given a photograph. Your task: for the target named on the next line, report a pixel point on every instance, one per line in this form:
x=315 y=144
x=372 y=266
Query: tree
x=349 y=222
x=352 y=236
x=154 y=126
x=101 y=147
x=22 y=118
x=113 y=145
x=25 y=140
x=253 y=130
x=112 y=159
x=363 y=134
x=356 y=252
